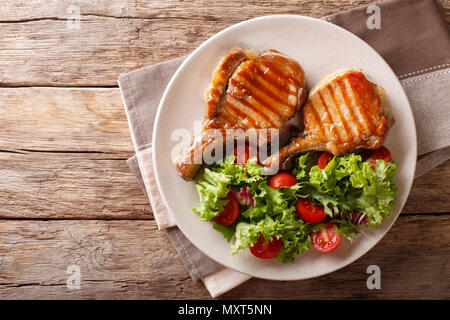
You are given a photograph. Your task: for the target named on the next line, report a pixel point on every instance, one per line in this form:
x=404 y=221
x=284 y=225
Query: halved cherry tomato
x=243 y=153
x=326 y=239
x=324 y=158
x=309 y=212
x=371 y=156
x=282 y=179
x=268 y=250
x=230 y=211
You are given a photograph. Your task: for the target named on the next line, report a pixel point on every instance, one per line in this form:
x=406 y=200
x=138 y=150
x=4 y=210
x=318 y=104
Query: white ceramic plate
x=320 y=48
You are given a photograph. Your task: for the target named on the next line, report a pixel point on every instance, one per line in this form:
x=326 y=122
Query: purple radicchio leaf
x=358 y=218
x=244 y=197
x=338 y=215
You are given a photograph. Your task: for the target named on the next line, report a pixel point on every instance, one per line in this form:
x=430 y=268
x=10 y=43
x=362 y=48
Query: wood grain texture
x=63 y=155
x=64 y=119
x=115 y=37
x=131 y=259
x=63 y=152
x=430 y=192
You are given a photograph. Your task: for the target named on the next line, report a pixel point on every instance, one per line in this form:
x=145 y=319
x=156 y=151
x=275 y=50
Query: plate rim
x=213 y=38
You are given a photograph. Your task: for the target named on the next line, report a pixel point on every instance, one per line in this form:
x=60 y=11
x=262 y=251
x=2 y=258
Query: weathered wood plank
x=431 y=192
x=190 y=9
x=133 y=260
x=119 y=36
x=182 y=9
x=117 y=259
x=64 y=119
x=82 y=140
x=63 y=151
x=69 y=186
x=49 y=185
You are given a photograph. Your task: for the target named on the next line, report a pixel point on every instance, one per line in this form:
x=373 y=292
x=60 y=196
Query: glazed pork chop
x=249 y=90
x=344 y=111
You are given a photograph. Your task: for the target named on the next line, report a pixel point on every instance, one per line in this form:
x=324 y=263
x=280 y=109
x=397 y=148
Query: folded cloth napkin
x=412 y=37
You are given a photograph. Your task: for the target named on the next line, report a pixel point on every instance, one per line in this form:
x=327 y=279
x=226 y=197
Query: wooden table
x=67 y=196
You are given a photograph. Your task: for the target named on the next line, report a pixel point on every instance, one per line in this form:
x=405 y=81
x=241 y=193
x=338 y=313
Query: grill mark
x=227 y=118
x=341 y=85
x=317 y=118
x=261 y=95
x=361 y=108
x=328 y=114
x=371 y=98
x=258 y=111
x=259 y=85
x=241 y=114
x=339 y=112
x=275 y=81
x=235 y=83
x=280 y=73
x=259 y=121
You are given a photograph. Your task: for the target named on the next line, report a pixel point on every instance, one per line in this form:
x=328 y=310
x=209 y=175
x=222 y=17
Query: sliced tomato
x=282 y=179
x=326 y=239
x=268 y=250
x=230 y=212
x=245 y=152
x=324 y=159
x=309 y=212
x=371 y=156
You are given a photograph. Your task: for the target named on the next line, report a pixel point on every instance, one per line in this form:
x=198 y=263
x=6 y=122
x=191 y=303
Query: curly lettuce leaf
x=303 y=166
x=293 y=232
x=214 y=183
x=350 y=184
x=239 y=174
x=212 y=187
x=345 y=186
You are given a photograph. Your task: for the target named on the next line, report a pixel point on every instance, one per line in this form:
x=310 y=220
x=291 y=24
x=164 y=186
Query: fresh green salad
x=322 y=199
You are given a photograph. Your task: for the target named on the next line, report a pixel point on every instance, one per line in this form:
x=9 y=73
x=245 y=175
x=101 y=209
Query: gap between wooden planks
x=132 y=260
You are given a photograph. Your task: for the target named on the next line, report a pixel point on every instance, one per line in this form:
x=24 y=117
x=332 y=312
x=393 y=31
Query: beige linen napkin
x=413 y=38
x=141 y=95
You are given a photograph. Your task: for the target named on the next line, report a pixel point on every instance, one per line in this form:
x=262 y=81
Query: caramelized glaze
x=249 y=90
x=343 y=112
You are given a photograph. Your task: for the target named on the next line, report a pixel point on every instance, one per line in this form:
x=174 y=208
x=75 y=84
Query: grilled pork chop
x=249 y=90
x=344 y=111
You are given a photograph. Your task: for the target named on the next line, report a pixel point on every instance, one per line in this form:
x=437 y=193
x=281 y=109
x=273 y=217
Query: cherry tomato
x=309 y=212
x=371 y=156
x=243 y=153
x=326 y=239
x=325 y=157
x=268 y=250
x=230 y=211
x=282 y=179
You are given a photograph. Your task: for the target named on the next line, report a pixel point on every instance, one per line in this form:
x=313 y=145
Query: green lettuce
x=347 y=184
x=211 y=186
x=293 y=232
